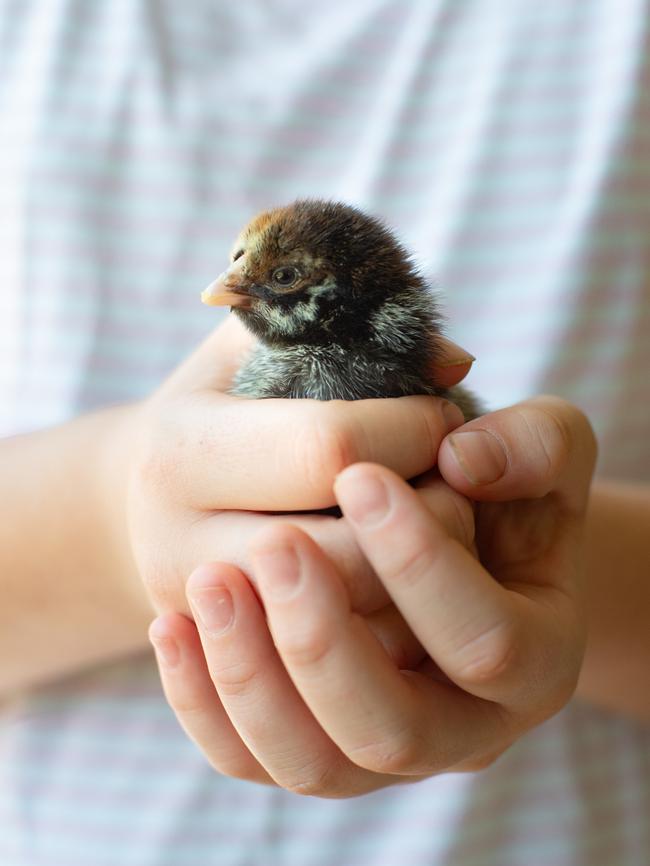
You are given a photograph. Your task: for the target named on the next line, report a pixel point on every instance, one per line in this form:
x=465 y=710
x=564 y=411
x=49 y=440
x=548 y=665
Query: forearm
x=615 y=671
x=70 y=592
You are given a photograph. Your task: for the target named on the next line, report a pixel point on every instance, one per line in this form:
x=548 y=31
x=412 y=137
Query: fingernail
x=278 y=570
x=214 y=607
x=364 y=500
x=456 y=362
x=452 y=415
x=165 y=646
x=452 y=354
x=480 y=455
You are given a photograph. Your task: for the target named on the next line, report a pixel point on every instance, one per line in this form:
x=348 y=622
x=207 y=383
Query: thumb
x=526 y=451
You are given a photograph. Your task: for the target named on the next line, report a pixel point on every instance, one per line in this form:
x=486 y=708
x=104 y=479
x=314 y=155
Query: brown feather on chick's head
x=316 y=272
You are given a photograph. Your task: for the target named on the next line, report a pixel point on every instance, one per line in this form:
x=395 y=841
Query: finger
x=191 y=694
x=453 y=511
x=386 y=720
x=283 y=455
x=499 y=645
x=452 y=363
x=526 y=451
x=256 y=692
x=226 y=536
x=235 y=531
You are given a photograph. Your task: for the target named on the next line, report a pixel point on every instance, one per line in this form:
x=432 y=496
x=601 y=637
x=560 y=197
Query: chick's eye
x=237 y=255
x=285 y=276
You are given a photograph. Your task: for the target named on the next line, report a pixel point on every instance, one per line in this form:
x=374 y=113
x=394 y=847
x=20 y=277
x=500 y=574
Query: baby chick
x=339 y=309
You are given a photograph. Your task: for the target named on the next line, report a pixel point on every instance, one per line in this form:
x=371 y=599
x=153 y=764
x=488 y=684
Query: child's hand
x=316 y=698
x=205 y=464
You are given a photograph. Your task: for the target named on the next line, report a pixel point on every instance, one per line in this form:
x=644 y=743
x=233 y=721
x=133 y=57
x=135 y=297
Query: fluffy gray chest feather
x=321 y=373
x=330 y=373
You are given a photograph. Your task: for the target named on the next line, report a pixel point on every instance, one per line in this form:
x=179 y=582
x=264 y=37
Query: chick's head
x=314 y=272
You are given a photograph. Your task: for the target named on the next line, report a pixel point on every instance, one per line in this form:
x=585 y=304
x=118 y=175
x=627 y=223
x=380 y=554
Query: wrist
x=113 y=477
x=71 y=593
x=614 y=674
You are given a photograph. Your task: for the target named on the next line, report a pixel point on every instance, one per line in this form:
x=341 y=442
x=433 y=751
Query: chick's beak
x=229 y=288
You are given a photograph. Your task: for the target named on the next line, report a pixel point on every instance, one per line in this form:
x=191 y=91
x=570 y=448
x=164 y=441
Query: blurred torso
x=504 y=142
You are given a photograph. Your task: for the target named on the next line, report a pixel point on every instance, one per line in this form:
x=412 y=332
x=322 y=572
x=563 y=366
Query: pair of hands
x=370 y=649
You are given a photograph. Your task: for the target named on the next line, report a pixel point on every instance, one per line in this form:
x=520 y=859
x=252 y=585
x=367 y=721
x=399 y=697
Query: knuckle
x=489 y=656
x=235 y=680
x=306 y=647
x=159 y=455
x=325 y=447
x=542 y=440
x=316 y=781
x=545 y=438
x=563 y=429
x=416 y=559
x=396 y=754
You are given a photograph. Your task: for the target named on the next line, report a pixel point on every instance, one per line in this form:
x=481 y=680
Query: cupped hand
x=295 y=687
x=207 y=467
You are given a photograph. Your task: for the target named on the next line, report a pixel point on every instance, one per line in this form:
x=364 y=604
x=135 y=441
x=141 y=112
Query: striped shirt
x=506 y=142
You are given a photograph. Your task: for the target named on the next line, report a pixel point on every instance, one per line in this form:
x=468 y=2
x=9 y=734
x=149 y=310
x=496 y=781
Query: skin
x=510 y=664
x=322 y=700
x=262 y=679
x=111 y=512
